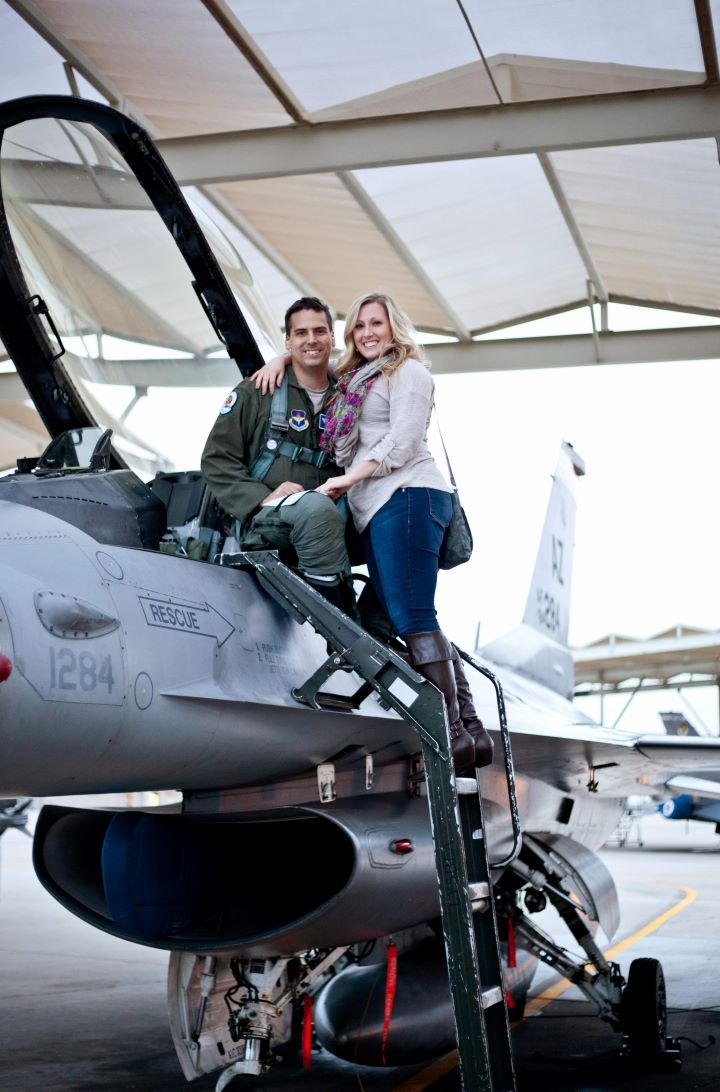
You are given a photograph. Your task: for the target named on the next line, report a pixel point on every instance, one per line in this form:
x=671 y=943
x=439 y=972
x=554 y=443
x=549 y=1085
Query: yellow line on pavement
x=447 y=1063
x=428 y=1076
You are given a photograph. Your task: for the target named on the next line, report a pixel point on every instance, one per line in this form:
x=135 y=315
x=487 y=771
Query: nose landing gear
x=643 y=1017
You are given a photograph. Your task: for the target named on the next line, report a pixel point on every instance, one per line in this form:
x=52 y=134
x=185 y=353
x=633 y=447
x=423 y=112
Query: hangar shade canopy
x=468 y=243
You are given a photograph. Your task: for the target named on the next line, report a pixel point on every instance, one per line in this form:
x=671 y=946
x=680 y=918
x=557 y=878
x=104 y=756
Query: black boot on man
x=338 y=590
x=431 y=653
x=468 y=715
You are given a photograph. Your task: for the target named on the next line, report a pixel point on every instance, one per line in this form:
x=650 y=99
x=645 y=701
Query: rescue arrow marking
x=187 y=618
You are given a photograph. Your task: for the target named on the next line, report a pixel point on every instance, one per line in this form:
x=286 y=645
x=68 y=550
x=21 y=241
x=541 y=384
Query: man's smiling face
x=310 y=340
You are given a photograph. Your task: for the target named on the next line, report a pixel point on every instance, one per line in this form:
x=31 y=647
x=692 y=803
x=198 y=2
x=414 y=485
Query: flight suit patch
x=298 y=420
x=228 y=403
x=322 y=421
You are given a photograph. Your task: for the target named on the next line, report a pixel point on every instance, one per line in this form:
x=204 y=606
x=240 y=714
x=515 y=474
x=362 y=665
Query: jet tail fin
x=539 y=647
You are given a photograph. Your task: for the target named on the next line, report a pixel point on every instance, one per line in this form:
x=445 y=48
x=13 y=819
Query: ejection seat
x=194 y=520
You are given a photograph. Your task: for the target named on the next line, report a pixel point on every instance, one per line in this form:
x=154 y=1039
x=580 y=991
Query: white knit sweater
x=393 y=431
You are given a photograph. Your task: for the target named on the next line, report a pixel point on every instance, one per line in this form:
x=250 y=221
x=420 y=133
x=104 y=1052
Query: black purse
x=457 y=543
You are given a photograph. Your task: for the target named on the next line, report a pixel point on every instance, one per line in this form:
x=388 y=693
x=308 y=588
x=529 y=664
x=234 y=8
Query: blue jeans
x=402 y=545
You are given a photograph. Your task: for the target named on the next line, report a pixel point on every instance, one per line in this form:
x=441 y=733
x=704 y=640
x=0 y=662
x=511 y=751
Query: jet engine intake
x=267 y=882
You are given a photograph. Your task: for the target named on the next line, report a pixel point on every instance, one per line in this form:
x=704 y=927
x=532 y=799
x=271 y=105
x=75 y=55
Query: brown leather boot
x=431 y=653
x=468 y=715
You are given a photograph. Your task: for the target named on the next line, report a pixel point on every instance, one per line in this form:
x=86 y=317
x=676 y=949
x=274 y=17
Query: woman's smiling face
x=372 y=333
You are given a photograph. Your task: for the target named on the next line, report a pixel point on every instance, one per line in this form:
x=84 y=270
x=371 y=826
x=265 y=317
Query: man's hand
x=271 y=374
x=284 y=490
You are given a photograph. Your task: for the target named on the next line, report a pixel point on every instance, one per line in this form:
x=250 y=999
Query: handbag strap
x=447 y=457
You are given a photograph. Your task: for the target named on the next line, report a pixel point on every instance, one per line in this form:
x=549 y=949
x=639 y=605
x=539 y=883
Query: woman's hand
x=335 y=487
x=271 y=374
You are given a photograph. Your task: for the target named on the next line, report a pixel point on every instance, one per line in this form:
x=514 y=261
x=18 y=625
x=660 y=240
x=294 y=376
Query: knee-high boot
x=468 y=715
x=431 y=654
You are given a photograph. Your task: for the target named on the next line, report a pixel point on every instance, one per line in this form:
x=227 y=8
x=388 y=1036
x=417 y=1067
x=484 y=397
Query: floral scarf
x=340 y=434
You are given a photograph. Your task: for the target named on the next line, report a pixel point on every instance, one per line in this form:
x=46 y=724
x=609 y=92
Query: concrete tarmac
x=83 y=1012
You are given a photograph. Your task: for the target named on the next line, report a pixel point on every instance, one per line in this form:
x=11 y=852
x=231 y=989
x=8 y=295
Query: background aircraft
x=694 y=797
x=128 y=668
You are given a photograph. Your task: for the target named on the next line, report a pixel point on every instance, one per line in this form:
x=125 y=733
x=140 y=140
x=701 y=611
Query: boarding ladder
x=456 y=816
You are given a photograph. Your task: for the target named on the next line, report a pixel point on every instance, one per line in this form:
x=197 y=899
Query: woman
x=376 y=429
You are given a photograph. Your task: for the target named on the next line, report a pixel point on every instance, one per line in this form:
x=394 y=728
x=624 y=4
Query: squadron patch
x=228 y=403
x=297 y=420
x=322 y=421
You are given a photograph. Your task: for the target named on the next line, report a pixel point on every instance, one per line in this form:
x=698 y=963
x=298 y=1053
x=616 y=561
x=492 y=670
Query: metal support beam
x=259 y=241
x=573 y=227
x=386 y=229
x=245 y=44
x=563 y=351
x=592 y=121
x=659 y=305
x=604 y=690
x=46 y=29
x=703 y=14
x=570 y=351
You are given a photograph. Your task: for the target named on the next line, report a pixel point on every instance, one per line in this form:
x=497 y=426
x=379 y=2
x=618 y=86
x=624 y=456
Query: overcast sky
x=646 y=553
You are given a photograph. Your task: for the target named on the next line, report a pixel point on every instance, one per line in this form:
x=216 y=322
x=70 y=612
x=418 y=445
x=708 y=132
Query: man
x=262 y=459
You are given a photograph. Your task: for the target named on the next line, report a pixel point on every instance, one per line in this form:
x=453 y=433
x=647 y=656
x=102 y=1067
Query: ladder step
x=479 y=896
x=492 y=996
x=466 y=786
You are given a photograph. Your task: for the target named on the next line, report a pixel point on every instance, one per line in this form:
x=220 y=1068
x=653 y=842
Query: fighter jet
x=693 y=797
x=132 y=658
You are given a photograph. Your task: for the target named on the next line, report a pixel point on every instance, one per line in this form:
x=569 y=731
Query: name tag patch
x=298 y=420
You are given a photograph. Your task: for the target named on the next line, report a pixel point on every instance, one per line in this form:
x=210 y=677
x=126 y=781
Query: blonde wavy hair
x=402 y=346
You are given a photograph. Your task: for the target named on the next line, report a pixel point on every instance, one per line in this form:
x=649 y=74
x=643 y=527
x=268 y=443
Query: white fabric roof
x=488 y=233
x=466 y=242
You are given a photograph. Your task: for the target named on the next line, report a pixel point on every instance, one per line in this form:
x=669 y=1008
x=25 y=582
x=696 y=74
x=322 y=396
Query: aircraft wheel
x=643 y=1009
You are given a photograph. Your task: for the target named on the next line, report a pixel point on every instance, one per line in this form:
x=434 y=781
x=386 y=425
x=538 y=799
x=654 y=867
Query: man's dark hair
x=307 y=303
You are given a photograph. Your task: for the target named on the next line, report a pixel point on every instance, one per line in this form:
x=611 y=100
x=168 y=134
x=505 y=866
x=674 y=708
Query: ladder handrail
x=507 y=759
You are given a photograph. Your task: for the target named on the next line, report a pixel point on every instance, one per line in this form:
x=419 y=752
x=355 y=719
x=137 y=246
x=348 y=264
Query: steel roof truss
x=592 y=121
x=574 y=350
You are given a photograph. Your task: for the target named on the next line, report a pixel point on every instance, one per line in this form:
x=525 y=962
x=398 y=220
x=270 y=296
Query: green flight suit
x=313 y=526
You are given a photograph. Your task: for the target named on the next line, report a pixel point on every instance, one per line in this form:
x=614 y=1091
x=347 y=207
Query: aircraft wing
x=694 y=786
x=608 y=762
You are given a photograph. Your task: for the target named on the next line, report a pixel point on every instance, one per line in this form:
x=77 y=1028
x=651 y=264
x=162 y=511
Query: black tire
x=643 y=1009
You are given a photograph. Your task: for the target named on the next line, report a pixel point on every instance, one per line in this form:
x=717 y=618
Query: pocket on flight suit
x=266 y=531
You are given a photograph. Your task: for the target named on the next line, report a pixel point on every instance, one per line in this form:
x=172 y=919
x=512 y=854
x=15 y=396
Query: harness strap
x=300 y=454
x=275 y=443
x=276 y=429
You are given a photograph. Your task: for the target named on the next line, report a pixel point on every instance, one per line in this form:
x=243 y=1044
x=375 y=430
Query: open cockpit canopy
x=102 y=257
